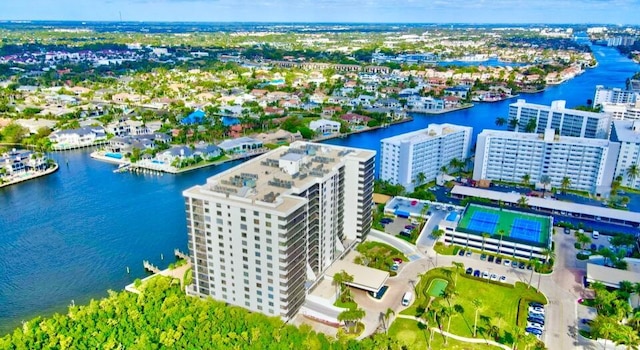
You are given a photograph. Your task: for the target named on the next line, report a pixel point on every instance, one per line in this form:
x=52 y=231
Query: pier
x=181 y=255
x=150 y=267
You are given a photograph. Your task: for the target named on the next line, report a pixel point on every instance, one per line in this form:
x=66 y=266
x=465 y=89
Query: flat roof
x=261 y=182
x=432 y=131
x=379 y=198
x=364 y=277
x=560 y=106
x=610 y=276
x=625 y=132
x=511 y=135
x=547 y=203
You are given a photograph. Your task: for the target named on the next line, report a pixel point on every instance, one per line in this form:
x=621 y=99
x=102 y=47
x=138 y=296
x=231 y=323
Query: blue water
x=71 y=235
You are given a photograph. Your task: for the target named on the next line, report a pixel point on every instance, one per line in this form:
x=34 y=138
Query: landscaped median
x=494 y=309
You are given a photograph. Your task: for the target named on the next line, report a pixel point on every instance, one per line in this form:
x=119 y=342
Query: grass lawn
x=348 y=305
x=380 y=255
x=414 y=336
x=444 y=249
x=500 y=303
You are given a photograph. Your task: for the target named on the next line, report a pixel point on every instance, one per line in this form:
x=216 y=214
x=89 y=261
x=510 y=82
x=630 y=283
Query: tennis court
x=479 y=219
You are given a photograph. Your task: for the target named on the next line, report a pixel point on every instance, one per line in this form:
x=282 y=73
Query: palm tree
x=565 y=183
x=513 y=123
x=454 y=163
x=629 y=338
x=518 y=333
x=529 y=339
x=485 y=235
x=447 y=273
x=526 y=178
x=523 y=201
x=459 y=266
x=351 y=317
x=604 y=330
x=545 y=180
x=339 y=279
x=477 y=303
x=582 y=239
x=387 y=316
x=500 y=121
x=633 y=171
x=420 y=178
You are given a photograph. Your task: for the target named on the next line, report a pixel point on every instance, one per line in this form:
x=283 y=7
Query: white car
x=493 y=277
x=503 y=279
x=485 y=274
x=506 y=262
x=535 y=325
x=536 y=310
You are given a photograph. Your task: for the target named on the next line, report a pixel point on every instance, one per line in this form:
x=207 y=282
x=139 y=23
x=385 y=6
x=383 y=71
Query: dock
x=181 y=255
x=150 y=267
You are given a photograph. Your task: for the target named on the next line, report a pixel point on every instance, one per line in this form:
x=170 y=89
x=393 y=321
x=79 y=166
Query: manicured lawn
x=500 y=302
x=414 y=336
x=446 y=249
x=347 y=305
x=379 y=255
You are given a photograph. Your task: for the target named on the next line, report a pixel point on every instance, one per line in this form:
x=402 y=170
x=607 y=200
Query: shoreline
x=31 y=177
x=340 y=135
x=470 y=105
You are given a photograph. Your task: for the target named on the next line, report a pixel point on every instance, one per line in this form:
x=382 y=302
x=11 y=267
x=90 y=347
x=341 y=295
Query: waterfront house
x=325 y=126
x=196 y=117
x=76 y=138
x=240 y=145
x=459 y=91
x=278 y=137
x=17 y=161
x=355 y=119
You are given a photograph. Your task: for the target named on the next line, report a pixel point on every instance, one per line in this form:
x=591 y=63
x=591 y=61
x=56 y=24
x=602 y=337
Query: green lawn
x=414 y=336
x=379 y=255
x=444 y=249
x=500 y=302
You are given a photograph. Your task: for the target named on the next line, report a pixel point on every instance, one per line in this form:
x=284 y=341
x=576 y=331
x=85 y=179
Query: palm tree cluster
x=617 y=320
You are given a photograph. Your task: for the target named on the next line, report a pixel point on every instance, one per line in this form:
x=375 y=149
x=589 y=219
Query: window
x=243 y=218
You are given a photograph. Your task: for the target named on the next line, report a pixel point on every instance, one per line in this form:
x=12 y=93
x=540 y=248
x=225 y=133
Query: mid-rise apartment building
x=568 y=122
x=425 y=152
x=613 y=95
x=508 y=156
x=627 y=133
x=260 y=233
x=622 y=111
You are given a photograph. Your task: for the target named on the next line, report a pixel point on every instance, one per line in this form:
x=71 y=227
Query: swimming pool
x=155 y=161
x=113 y=155
x=436 y=287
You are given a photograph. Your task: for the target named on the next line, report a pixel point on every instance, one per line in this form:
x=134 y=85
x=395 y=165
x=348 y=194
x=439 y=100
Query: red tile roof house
x=353 y=118
x=236 y=130
x=273 y=111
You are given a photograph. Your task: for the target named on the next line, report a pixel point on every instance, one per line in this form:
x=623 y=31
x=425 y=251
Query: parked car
x=535 y=315
x=507 y=262
x=491 y=258
x=394 y=267
x=469 y=271
x=587 y=321
x=567 y=231
x=493 y=277
x=397 y=260
x=406 y=233
x=483 y=257
x=535 y=304
x=409 y=227
x=521 y=265
x=485 y=274
x=514 y=264
x=468 y=253
x=386 y=220
x=593 y=246
x=534 y=331
x=536 y=320
x=461 y=252
x=498 y=260
x=476 y=273
x=535 y=325
x=503 y=279
x=537 y=310
x=529 y=267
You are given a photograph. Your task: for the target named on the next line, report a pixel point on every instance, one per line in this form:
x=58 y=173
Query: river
x=70 y=236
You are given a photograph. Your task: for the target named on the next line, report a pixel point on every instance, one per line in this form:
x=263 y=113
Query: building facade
x=262 y=232
x=627 y=133
x=508 y=156
x=622 y=111
x=613 y=95
x=423 y=152
x=568 y=122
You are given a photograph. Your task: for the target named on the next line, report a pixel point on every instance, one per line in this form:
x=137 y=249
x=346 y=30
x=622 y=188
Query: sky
x=398 y=11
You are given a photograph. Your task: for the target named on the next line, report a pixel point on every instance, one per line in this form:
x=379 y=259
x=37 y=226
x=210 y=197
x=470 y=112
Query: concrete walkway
x=457 y=337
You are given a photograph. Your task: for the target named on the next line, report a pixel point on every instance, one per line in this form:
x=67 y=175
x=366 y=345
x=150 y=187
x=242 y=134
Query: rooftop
x=559 y=105
x=540 y=137
x=268 y=180
x=625 y=132
x=431 y=132
x=364 y=277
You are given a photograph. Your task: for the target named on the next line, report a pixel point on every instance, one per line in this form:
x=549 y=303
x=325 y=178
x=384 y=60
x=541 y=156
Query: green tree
x=459 y=266
x=545 y=180
x=500 y=121
x=477 y=304
x=633 y=171
x=523 y=201
x=526 y=179
x=565 y=183
x=351 y=317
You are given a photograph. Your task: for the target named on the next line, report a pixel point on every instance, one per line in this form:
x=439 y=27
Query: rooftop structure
x=627 y=132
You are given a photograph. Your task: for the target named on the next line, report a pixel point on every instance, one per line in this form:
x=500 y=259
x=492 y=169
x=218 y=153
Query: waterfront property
x=264 y=231
x=588 y=164
x=20 y=165
x=568 y=122
x=614 y=95
x=501 y=231
x=77 y=138
x=418 y=156
x=627 y=133
x=624 y=111
x=240 y=145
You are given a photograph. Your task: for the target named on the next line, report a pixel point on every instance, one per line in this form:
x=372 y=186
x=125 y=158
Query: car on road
x=469 y=271
x=483 y=257
x=521 y=265
x=476 y=273
x=493 y=277
x=461 y=252
x=534 y=331
x=491 y=258
x=567 y=231
x=514 y=264
x=507 y=262
x=468 y=253
x=498 y=260
x=485 y=274
x=503 y=279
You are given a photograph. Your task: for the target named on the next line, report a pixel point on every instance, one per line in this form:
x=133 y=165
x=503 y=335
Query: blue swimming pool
x=452 y=216
x=155 y=161
x=113 y=155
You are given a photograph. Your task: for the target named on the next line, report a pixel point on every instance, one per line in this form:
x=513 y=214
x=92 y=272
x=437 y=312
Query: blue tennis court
x=483 y=222
x=524 y=229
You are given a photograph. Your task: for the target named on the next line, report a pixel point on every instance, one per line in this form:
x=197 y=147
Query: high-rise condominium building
x=424 y=152
x=627 y=132
x=613 y=95
x=568 y=122
x=509 y=156
x=622 y=111
x=261 y=231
